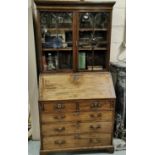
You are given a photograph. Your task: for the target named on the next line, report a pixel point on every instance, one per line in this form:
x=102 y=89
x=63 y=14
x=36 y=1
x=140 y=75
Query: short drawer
x=76 y=140
x=94 y=105
x=57 y=106
x=77 y=127
x=106 y=116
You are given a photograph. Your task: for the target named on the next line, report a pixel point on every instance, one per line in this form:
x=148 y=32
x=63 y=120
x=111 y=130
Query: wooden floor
x=35 y=145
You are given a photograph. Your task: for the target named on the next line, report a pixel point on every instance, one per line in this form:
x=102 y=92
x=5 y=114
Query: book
x=82 y=60
x=94 y=68
x=97 y=68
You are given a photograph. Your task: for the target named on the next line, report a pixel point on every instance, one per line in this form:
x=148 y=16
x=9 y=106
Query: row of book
x=82 y=63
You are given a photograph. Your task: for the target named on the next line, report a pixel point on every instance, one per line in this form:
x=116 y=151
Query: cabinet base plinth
x=106 y=149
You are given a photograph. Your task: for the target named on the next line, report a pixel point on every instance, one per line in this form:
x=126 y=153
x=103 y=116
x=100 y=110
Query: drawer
x=106 y=116
x=76 y=140
x=58 y=106
x=76 y=106
x=94 y=105
x=77 y=127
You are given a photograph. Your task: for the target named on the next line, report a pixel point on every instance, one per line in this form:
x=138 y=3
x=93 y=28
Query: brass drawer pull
x=94 y=140
x=95 y=127
x=60 y=142
x=95 y=104
x=59 y=129
x=60 y=106
x=96 y=116
x=60 y=117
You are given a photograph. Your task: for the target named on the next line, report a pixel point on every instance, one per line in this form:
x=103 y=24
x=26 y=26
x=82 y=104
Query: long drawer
x=77 y=127
x=106 y=116
x=76 y=105
x=76 y=140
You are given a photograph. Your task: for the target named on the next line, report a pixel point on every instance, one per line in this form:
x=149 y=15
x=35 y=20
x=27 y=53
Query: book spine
x=82 y=60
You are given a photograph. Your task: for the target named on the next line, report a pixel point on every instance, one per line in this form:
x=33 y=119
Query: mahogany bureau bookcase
x=76 y=93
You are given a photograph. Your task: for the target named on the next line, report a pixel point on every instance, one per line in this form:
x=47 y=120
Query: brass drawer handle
x=60 y=117
x=95 y=104
x=60 y=106
x=59 y=129
x=95 y=140
x=95 y=127
x=60 y=142
x=96 y=116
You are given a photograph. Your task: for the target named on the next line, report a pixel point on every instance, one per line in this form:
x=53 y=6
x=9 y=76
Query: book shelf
x=73 y=41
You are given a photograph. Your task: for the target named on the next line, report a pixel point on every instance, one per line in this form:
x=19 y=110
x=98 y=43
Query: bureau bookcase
x=76 y=94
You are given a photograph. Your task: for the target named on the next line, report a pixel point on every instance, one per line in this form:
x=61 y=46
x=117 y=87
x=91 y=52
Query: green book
x=82 y=60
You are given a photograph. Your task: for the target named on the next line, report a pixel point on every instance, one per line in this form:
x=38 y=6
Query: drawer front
x=76 y=140
x=58 y=106
x=106 y=116
x=95 y=105
x=76 y=106
x=71 y=128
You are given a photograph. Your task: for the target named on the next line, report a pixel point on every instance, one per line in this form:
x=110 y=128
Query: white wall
x=118 y=29
x=118 y=25
x=32 y=77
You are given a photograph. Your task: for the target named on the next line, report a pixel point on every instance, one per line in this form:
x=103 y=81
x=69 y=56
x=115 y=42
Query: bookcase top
x=110 y=2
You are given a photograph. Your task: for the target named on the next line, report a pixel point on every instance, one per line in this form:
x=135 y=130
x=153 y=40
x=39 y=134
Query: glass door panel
x=93 y=40
x=57 y=44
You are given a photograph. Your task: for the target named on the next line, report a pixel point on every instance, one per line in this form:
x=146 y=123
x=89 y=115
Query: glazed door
x=56 y=30
x=73 y=40
x=93 y=40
